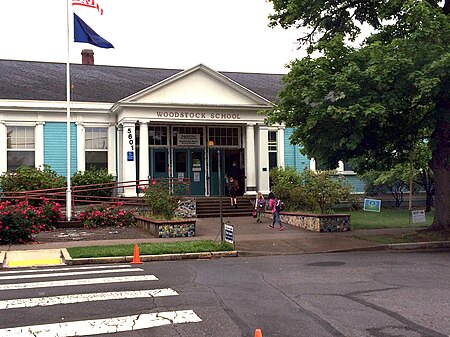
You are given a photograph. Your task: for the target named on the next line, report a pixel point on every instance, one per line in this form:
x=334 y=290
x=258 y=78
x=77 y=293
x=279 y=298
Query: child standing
x=260 y=206
x=232 y=187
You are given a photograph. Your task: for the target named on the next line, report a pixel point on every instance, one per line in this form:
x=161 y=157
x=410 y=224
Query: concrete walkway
x=251 y=239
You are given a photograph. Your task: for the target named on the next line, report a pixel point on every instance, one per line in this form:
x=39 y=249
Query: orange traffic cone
x=258 y=333
x=136 y=258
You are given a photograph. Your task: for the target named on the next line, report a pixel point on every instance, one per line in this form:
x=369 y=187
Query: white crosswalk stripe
x=91 y=272
x=77 y=282
x=136 y=320
x=79 y=298
x=103 y=326
x=41 y=270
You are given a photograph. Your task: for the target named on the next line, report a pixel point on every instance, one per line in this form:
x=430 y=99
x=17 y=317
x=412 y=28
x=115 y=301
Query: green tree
x=396 y=181
x=371 y=104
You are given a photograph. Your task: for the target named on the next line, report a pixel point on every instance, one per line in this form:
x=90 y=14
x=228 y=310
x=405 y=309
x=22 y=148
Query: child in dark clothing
x=233 y=188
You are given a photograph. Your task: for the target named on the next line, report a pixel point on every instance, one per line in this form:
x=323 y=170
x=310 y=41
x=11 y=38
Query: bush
x=94 y=177
x=26 y=178
x=324 y=189
x=107 y=216
x=161 y=201
x=20 y=221
x=309 y=190
x=287 y=185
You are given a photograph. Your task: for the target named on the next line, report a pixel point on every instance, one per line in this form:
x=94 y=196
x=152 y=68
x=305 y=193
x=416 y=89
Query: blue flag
x=83 y=33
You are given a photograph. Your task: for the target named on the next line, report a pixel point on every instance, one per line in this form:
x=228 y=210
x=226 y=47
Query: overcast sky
x=226 y=35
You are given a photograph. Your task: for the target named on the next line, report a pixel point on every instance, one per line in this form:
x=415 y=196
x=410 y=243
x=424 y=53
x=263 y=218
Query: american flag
x=88 y=3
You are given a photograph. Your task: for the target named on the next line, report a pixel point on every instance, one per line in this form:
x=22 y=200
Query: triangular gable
x=199 y=85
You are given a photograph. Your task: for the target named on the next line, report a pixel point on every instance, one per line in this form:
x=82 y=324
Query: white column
x=263 y=162
x=143 y=151
x=3 y=151
x=129 y=157
x=112 y=167
x=119 y=152
x=81 y=147
x=280 y=146
x=250 y=164
x=39 y=145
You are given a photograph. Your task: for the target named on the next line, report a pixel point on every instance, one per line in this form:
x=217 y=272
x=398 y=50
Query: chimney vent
x=87 y=56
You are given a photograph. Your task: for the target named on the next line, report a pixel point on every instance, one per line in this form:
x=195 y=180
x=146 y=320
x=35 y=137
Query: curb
x=420 y=245
x=146 y=258
x=2 y=259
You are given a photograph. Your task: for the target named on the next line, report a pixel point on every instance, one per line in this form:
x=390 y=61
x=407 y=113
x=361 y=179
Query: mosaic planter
x=167 y=228
x=316 y=222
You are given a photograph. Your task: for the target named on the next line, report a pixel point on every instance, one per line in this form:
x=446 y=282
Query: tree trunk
x=440 y=164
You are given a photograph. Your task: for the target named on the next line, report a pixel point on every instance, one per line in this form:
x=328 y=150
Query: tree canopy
x=370 y=104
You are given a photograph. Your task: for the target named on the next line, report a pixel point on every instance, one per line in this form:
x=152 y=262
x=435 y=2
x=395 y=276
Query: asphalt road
x=377 y=294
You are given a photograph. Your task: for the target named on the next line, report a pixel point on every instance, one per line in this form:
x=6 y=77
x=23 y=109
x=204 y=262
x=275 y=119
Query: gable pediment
x=199 y=85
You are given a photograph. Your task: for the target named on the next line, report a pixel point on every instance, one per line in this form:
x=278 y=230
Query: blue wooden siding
x=294 y=158
x=356 y=183
x=55 y=147
x=292 y=155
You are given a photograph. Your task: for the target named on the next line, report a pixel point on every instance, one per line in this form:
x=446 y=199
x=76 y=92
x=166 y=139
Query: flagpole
x=68 y=191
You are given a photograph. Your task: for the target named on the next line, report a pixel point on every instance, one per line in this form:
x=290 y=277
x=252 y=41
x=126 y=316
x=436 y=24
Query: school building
x=143 y=123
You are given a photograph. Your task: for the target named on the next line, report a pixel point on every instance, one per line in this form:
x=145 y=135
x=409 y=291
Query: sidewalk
x=251 y=239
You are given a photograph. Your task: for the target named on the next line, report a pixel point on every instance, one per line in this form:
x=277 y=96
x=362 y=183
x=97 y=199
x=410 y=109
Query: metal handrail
x=81 y=196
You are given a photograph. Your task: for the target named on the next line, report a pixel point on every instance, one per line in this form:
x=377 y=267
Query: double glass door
x=189 y=163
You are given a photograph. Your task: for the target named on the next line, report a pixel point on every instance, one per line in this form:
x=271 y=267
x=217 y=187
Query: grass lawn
x=149 y=249
x=387 y=218
x=406 y=237
x=394 y=218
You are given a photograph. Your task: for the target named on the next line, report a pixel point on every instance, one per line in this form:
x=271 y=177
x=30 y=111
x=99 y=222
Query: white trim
x=112 y=150
x=280 y=147
x=39 y=145
x=81 y=155
x=3 y=151
x=144 y=164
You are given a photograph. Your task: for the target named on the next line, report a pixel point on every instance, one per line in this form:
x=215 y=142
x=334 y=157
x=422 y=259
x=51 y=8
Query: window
x=223 y=136
x=347 y=166
x=157 y=135
x=321 y=166
x=96 y=148
x=272 y=142
x=20 y=146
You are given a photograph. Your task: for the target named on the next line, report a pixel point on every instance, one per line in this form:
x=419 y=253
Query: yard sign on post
x=372 y=205
x=229 y=233
x=418 y=216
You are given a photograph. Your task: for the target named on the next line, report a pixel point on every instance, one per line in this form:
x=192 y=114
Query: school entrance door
x=189 y=163
x=227 y=156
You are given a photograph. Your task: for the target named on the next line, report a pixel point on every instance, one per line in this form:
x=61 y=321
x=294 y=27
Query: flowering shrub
x=20 y=221
x=103 y=216
x=161 y=200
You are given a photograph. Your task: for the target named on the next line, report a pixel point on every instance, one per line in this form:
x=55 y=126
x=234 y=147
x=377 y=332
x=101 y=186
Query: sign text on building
x=198 y=115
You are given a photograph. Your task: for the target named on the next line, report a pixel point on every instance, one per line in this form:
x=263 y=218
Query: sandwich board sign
x=372 y=205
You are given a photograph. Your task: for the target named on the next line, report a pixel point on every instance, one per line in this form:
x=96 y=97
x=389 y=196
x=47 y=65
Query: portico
x=184 y=126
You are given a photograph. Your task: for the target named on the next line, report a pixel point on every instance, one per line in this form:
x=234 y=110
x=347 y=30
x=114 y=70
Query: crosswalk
x=42 y=295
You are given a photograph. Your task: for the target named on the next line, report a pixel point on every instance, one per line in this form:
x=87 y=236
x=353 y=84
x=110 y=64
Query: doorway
x=189 y=163
x=227 y=157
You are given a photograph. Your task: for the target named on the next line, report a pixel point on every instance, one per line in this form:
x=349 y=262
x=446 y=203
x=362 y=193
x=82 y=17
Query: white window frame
x=38 y=149
x=272 y=146
x=104 y=150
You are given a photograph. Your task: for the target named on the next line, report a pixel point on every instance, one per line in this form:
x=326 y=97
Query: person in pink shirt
x=273 y=203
